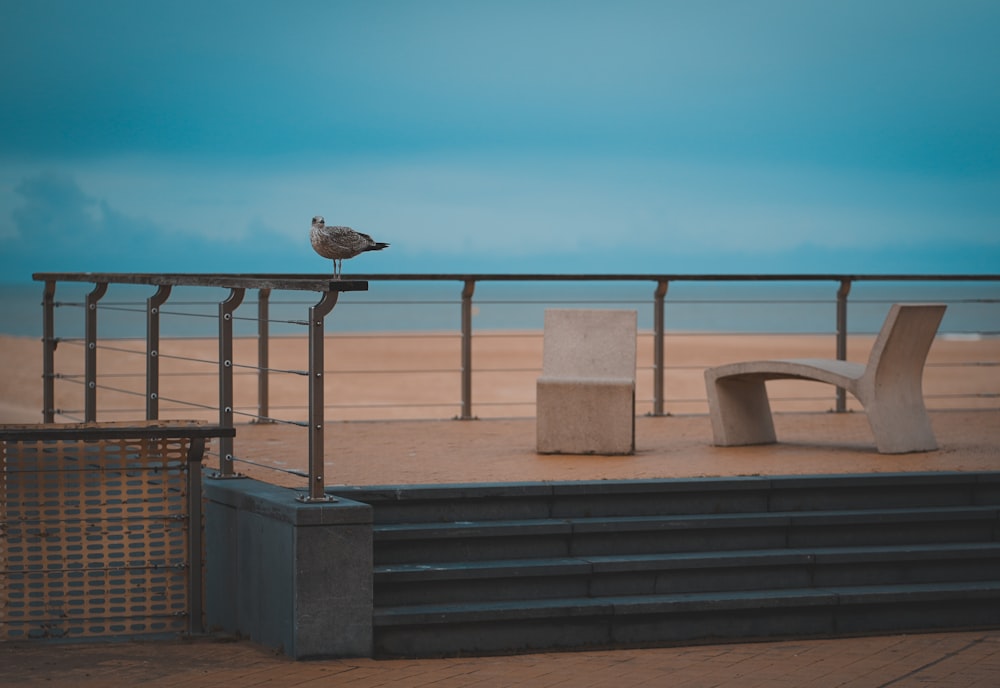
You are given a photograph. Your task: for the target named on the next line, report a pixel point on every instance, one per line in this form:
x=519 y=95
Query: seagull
x=339 y=243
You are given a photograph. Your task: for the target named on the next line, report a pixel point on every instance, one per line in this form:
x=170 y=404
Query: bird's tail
x=379 y=245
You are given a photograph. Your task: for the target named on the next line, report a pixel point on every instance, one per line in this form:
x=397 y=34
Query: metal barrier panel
x=95 y=538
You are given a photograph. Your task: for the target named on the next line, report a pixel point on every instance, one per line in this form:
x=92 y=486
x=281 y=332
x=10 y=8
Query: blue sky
x=543 y=136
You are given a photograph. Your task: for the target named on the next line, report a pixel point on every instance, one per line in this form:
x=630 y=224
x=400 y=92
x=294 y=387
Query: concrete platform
x=503 y=450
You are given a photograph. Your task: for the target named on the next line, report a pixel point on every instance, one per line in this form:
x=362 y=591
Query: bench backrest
x=589 y=343
x=905 y=339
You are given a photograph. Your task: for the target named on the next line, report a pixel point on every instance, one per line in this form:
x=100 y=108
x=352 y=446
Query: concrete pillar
x=290 y=575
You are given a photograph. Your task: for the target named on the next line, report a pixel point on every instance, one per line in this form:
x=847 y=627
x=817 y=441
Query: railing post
x=317 y=487
x=90 y=363
x=196 y=525
x=467 y=291
x=658 y=332
x=263 y=354
x=226 y=309
x=48 y=352
x=153 y=304
x=842 y=292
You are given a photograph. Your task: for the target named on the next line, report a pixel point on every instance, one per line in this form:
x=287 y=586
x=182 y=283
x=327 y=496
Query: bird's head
x=318 y=221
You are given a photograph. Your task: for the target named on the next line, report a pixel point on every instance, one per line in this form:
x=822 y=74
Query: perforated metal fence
x=101 y=530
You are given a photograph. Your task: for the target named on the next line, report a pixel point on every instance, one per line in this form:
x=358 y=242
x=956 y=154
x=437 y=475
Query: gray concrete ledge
x=280 y=503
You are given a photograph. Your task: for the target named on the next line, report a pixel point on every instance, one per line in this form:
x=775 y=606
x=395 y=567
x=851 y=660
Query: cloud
x=493 y=213
x=57 y=216
x=58 y=226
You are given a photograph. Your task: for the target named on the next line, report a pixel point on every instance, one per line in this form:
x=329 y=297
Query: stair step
x=412 y=531
x=578 y=499
x=548 y=538
x=681 y=560
x=491 y=627
x=599 y=576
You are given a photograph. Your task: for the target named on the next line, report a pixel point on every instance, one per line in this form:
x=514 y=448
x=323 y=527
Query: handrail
x=226 y=281
x=319 y=282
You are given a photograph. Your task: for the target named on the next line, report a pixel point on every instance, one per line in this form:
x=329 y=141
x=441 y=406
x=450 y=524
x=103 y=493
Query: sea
x=402 y=306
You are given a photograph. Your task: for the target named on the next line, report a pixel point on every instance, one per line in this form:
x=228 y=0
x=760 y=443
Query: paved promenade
x=503 y=450
x=942 y=660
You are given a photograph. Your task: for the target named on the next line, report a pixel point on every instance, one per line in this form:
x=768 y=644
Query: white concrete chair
x=586 y=393
x=889 y=386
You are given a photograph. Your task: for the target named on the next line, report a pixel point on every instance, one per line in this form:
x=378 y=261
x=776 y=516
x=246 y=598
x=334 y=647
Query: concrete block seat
x=889 y=386
x=586 y=393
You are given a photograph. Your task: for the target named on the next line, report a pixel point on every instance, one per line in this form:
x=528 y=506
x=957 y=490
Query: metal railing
x=329 y=290
x=237 y=285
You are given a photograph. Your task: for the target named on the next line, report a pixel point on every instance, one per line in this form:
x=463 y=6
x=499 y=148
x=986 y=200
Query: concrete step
x=594 y=622
x=616 y=535
x=397 y=504
x=651 y=574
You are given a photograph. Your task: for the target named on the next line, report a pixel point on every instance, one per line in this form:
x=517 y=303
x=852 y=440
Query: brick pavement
x=944 y=660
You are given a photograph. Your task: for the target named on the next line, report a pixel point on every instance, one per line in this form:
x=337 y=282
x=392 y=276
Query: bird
x=339 y=243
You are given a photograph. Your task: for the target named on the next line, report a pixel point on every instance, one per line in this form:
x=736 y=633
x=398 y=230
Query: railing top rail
x=654 y=277
x=674 y=277
x=112 y=430
x=323 y=283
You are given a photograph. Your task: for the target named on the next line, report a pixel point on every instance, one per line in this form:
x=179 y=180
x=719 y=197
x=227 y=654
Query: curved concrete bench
x=888 y=386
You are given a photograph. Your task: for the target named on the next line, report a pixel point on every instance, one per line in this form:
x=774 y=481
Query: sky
x=558 y=136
